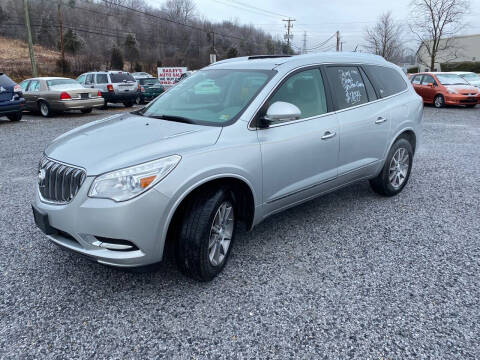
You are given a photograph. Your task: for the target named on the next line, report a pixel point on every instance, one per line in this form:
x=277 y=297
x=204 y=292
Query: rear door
x=101 y=81
x=363 y=121
x=299 y=157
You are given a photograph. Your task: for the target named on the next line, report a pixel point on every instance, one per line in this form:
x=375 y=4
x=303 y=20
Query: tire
x=200 y=250
x=439 y=101
x=15 y=117
x=105 y=104
x=470 y=106
x=128 y=104
x=394 y=175
x=139 y=100
x=86 y=111
x=44 y=109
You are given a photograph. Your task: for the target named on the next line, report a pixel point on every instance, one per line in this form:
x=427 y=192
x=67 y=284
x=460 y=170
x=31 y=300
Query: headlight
x=124 y=184
x=451 y=91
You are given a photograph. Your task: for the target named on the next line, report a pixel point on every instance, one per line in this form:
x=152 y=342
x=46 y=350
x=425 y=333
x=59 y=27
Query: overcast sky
x=320 y=19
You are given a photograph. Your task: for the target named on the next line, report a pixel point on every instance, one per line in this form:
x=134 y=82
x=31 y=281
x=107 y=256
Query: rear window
x=6 y=81
x=388 y=81
x=121 y=77
x=149 y=81
x=102 y=78
x=60 y=84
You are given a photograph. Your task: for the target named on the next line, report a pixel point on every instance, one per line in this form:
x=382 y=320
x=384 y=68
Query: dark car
x=149 y=89
x=11 y=99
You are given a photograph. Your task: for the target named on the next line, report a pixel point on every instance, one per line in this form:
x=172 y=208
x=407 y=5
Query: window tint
x=388 y=81
x=417 y=79
x=34 y=86
x=121 y=77
x=428 y=79
x=89 y=79
x=24 y=84
x=305 y=90
x=368 y=85
x=348 y=88
x=101 y=79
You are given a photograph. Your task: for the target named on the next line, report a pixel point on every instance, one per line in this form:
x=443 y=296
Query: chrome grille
x=58 y=182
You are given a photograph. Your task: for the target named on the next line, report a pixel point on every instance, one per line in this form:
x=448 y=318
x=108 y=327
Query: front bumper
x=80 y=224
x=454 y=99
x=76 y=104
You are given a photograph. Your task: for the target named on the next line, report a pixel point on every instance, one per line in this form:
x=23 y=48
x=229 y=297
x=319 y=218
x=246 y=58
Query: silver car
x=266 y=134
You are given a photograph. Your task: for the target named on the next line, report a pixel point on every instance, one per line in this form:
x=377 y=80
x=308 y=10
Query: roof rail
x=253 y=57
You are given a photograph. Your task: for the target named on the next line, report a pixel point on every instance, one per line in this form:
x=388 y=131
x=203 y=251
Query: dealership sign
x=168 y=75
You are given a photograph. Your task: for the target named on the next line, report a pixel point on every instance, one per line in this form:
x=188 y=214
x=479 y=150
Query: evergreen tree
x=131 y=50
x=116 y=60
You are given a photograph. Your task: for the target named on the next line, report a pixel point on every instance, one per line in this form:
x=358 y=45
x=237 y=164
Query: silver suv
x=238 y=141
x=115 y=86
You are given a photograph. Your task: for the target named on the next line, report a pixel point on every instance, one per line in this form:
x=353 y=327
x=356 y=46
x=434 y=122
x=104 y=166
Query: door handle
x=328 y=135
x=380 y=120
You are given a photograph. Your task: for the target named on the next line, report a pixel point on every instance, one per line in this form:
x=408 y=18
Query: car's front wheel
x=139 y=100
x=15 y=117
x=396 y=170
x=206 y=234
x=439 y=101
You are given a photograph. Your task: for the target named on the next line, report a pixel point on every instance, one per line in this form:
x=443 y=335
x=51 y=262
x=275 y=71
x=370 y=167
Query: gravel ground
x=349 y=275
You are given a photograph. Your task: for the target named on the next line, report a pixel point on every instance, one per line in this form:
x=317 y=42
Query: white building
x=459 y=49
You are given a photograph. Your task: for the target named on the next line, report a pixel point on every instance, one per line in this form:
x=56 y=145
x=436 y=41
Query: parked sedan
x=149 y=89
x=49 y=95
x=442 y=89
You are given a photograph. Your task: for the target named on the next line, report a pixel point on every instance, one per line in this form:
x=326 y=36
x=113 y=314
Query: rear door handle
x=328 y=135
x=380 y=120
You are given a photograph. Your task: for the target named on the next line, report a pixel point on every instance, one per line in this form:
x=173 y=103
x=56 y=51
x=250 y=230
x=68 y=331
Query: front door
x=429 y=88
x=299 y=157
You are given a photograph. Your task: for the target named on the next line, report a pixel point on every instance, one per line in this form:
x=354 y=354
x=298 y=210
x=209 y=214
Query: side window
x=81 y=79
x=24 y=84
x=89 y=79
x=101 y=79
x=417 y=79
x=428 y=79
x=348 y=88
x=304 y=89
x=368 y=85
x=34 y=85
x=388 y=81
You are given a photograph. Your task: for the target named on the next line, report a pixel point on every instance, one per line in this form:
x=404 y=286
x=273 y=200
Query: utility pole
x=304 y=49
x=213 y=52
x=289 y=25
x=29 y=38
x=60 y=27
x=338 y=40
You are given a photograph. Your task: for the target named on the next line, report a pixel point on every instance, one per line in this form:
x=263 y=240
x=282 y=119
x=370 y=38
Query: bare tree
x=180 y=10
x=435 y=23
x=385 y=38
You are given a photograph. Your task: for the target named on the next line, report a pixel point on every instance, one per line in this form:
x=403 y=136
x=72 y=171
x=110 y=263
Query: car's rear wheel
x=396 y=170
x=15 y=117
x=86 y=111
x=128 y=104
x=44 y=108
x=105 y=104
x=139 y=100
x=439 y=101
x=206 y=234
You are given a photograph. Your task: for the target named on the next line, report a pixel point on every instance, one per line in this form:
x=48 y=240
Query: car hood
x=124 y=140
x=462 y=88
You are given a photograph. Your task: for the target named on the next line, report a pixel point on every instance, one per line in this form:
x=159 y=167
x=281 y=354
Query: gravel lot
x=349 y=275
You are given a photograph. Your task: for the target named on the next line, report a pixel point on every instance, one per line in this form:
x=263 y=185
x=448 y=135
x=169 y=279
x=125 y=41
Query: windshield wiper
x=172 y=118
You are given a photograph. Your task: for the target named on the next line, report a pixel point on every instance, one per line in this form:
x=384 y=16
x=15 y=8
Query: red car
x=443 y=88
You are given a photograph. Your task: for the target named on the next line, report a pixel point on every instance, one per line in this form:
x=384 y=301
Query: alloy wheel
x=438 y=102
x=44 y=109
x=221 y=233
x=398 y=169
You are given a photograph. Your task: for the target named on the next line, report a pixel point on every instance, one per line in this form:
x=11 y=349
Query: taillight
x=110 y=87
x=65 y=96
x=99 y=94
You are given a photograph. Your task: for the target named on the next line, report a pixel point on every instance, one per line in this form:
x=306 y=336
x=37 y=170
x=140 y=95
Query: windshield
x=121 y=77
x=471 y=77
x=149 y=82
x=60 y=84
x=210 y=97
x=451 y=79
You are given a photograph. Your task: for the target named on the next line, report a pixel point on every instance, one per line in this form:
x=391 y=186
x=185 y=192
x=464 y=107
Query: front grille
x=58 y=182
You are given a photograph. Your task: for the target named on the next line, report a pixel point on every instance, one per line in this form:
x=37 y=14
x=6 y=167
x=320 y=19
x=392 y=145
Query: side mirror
x=280 y=111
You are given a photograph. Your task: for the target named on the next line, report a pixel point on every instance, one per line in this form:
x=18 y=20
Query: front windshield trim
x=270 y=74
